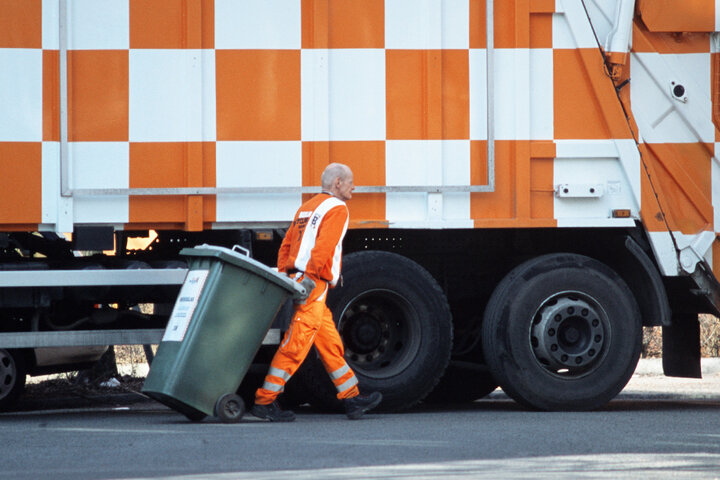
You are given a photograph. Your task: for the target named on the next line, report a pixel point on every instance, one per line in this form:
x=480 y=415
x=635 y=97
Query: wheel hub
x=365 y=334
x=376 y=333
x=568 y=334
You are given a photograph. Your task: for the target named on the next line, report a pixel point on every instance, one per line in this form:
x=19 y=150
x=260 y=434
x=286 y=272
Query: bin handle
x=241 y=250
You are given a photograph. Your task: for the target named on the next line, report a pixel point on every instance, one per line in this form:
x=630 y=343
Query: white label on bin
x=185 y=306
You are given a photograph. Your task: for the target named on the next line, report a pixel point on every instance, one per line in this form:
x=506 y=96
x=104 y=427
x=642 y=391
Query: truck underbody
x=411 y=308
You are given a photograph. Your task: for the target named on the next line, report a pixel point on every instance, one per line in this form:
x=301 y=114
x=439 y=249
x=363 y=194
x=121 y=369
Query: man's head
x=338 y=180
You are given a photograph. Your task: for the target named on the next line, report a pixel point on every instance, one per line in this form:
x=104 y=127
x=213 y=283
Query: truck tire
x=562 y=332
x=396 y=327
x=12 y=377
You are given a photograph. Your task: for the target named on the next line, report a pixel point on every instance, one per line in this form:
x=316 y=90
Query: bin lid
x=242 y=260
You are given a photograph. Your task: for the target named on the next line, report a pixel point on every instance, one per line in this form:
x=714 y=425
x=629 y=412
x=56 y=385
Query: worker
x=311 y=253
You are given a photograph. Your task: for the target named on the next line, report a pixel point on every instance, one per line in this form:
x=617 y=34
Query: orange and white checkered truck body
x=202 y=114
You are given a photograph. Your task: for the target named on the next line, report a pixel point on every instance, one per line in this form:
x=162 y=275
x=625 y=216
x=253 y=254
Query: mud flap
x=681 y=347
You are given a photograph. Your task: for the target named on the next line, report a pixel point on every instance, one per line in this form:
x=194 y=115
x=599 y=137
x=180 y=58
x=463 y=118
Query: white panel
x=661 y=117
x=355 y=98
x=665 y=252
x=427 y=162
x=512 y=97
x=100 y=165
x=632 y=166
x=413 y=162
x=258 y=164
x=478 y=94
x=586 y=148
x=57 y=211
x=172 y=95
x=602 y=16
x=20 y=95
x=456 y=171
x=541 y=94
x=427 y=24
x=571 y=27
x=50 y=25
x=618 y=173
x=315 y=94
x=523 y=94
x=98 y=24
x=259 y=24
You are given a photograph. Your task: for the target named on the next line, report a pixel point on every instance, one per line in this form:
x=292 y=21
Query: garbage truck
x=536 y=180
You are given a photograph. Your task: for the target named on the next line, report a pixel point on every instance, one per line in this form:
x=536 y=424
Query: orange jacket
x=313 y=243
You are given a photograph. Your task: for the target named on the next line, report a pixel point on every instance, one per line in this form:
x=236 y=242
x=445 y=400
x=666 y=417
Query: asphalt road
x=657 y=427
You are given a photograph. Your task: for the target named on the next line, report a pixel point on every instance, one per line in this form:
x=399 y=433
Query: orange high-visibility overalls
x=312 y=247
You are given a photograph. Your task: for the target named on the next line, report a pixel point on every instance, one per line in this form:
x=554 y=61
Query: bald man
x=311 y=253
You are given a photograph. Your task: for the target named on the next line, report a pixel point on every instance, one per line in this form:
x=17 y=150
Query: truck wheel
x=12 y=377
x=562 y=332
x=396 y=327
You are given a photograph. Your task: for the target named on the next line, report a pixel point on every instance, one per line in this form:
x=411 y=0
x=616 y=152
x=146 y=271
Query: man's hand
x=309 y=286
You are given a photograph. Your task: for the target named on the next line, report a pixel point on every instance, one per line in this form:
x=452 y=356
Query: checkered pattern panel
x=235 y=93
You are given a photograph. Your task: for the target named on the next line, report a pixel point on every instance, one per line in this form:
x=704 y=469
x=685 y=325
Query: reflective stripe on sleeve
x=273 y=387
x=349 y=384
x=337 y=374
x=276 y=372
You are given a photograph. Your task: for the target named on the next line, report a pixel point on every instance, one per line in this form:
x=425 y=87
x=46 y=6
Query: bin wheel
x=230 y=408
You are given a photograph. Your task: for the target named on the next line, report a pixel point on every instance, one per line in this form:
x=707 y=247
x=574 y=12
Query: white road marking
x=605 y=466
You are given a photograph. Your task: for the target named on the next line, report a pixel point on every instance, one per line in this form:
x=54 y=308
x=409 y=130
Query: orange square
x=51 y=96
x=542 y=195
x=523 y=195
x=682 y=181
x=21 y=24
x=478 y=24
x=585 y=104
x=427 y=94
x=258 y=94
x=541 y=30
x=343 y=24
x=499 y=204
x=508 y=26
x=170 y=165
x=514 y=28
x=367 y=161
x=172 y=24
x=20 y=182
x=662 y=42
x=98 y=95
x=678 y=15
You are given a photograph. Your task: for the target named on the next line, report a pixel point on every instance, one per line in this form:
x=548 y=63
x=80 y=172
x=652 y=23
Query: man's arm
x=284 y=251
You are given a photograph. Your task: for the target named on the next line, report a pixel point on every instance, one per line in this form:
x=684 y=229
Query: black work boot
x=272 y=412
x=355 y=407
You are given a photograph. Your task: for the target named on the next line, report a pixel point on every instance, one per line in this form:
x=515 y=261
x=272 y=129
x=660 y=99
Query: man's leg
x=330 y=348
x=290 y=354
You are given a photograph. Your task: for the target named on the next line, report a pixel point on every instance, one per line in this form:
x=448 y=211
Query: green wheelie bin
x=221 y=316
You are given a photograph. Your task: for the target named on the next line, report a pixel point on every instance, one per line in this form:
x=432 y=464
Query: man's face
x=344 y=188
